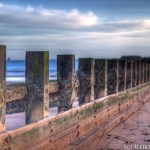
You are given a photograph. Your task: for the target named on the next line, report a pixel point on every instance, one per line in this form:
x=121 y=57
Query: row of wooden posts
x=95 y=79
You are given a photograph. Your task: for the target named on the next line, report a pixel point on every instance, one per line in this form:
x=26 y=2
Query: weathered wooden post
x=113 y=76
x=133 y=75
x=134 y=79
x=122 y=74
x=145 y=72
x=142 y=72
x=129 y=74
x=37 y=83
x=86 y=80
x=67 y=79
x=139 y=73
x=2 y=87
x=149 y=72
x=136 y=72
x=100 y=88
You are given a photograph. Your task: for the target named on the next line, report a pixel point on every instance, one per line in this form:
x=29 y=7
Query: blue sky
x=87 y=28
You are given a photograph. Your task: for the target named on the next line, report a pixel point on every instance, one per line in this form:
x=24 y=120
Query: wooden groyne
x=109 y=91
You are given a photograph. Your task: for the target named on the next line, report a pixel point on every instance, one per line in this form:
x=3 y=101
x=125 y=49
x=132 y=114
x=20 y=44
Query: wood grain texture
x=2 y=87
x=100 y=72
x=74 y=123
x=113 y=75
x=37 y=79
x=86 y=80
x=67 y=80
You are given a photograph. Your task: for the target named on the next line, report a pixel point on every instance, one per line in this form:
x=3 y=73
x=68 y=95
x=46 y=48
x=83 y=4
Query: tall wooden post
x=113 y=75
x=2 y=87
x=86 y=80
x=134 y=79
x=100 y=88
x=67 y=79
x=37 y=82
x=122 y=75
x=149 y=72
x=139 y=73
x=143 y=72
x=129 y=75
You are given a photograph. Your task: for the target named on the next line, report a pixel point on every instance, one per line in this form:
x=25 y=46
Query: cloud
x=40 y=18
x=36 y=28
x=45 y=18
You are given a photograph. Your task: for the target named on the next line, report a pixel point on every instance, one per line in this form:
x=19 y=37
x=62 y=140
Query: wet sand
x=134 y=131
x=17 y=120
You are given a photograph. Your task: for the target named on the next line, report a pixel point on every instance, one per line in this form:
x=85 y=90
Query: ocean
x=16 y=70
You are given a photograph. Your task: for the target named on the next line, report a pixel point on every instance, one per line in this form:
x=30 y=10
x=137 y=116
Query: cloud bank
x=71 y=31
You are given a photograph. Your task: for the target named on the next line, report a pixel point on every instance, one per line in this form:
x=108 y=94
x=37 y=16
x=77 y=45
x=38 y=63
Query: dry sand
x=133 y=132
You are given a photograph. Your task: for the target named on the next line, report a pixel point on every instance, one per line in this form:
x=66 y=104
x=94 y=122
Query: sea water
x=16 y=70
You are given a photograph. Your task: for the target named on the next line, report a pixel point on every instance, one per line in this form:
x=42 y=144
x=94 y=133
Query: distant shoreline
x=21 y=79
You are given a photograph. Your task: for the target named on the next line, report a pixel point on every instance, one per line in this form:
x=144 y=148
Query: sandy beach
x=135 y=131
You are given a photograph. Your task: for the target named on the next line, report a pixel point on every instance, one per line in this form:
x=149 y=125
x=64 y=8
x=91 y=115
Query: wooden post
x=86 y=80
x=125 y=80
x=133 y=75
x=142 y=72
x=134 y=79
x=37 y=83
x=129 y=75
x=147 y=78
x=136 y=76
x=139 y=73
x=2 y=87
x=67 y=79
x=113 y=75
x=145 y=72
x=100 y=88
x=149 y=72
x=122 y=75
x=117 y=86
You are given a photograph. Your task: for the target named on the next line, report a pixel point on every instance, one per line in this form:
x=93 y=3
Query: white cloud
x=30 y=16
x=1 y=5
x=30 y=9
x=37 y=28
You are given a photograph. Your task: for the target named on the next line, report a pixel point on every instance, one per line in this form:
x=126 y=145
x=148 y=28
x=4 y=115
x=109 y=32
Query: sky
x=86 y=28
